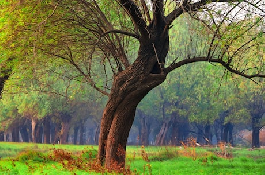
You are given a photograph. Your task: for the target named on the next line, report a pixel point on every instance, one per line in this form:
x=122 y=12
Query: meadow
x=30 y=158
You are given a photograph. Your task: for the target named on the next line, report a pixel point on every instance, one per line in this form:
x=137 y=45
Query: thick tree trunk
x=118 y=116
x=129 y=87
x=47 y=130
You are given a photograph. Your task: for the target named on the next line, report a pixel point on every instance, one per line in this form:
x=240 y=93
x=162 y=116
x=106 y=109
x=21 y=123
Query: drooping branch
x=135 y=15
x=226 y=65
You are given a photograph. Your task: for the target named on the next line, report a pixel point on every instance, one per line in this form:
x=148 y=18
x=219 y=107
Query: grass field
x=29 y=158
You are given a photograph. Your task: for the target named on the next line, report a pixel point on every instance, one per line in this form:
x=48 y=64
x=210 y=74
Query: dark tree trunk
x=129 y=87
x=24 y=133
x=39 y=132
x=207 y=134
x=82 y=133
x=47 y=130
x=97 y=134
x=2 y=82
x=228 y=133
x=66 y=118
x=75 y=134
x=255 y=138
x=175 y=132
x=2 y=136
x=161 y=137
x=200 y=134
x=15 y=134
x=255 y=130
x=145 y=127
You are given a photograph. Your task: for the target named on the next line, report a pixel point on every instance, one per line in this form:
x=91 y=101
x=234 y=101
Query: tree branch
x=173 y=66
x=134 y=12
x=121 y=32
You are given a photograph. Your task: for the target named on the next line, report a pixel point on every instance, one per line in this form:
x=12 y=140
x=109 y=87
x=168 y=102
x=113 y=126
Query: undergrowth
x=184 y=159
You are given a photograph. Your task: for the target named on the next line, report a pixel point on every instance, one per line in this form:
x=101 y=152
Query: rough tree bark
x=129 y=87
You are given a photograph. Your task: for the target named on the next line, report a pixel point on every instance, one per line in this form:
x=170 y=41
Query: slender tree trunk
x=2 y=136
x=207 y=135
x=75 y=134
x=160 y=138
x=15 y=134
x=255 y=131
x=24 y=133
x=39 y=132
x=33 y=129
x=175 y=132
x=47 y=130
x=66 y=118
x=97 y=134
x=82 y=133
x=144 y=131
x=200 y=134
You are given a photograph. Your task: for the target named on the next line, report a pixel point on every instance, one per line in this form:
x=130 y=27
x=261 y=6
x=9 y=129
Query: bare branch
x=173 y=66
x=122 y=32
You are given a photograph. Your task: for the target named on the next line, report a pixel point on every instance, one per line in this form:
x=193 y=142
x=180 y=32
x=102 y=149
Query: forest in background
x=45 y=100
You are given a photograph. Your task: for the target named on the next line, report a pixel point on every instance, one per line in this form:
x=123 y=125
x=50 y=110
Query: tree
x=91 y=35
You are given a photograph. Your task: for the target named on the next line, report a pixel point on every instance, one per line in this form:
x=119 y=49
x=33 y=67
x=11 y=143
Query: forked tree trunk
x=128 y=89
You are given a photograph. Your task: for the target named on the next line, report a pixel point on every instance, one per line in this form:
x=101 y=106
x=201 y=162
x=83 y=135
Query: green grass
x=29 y=158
